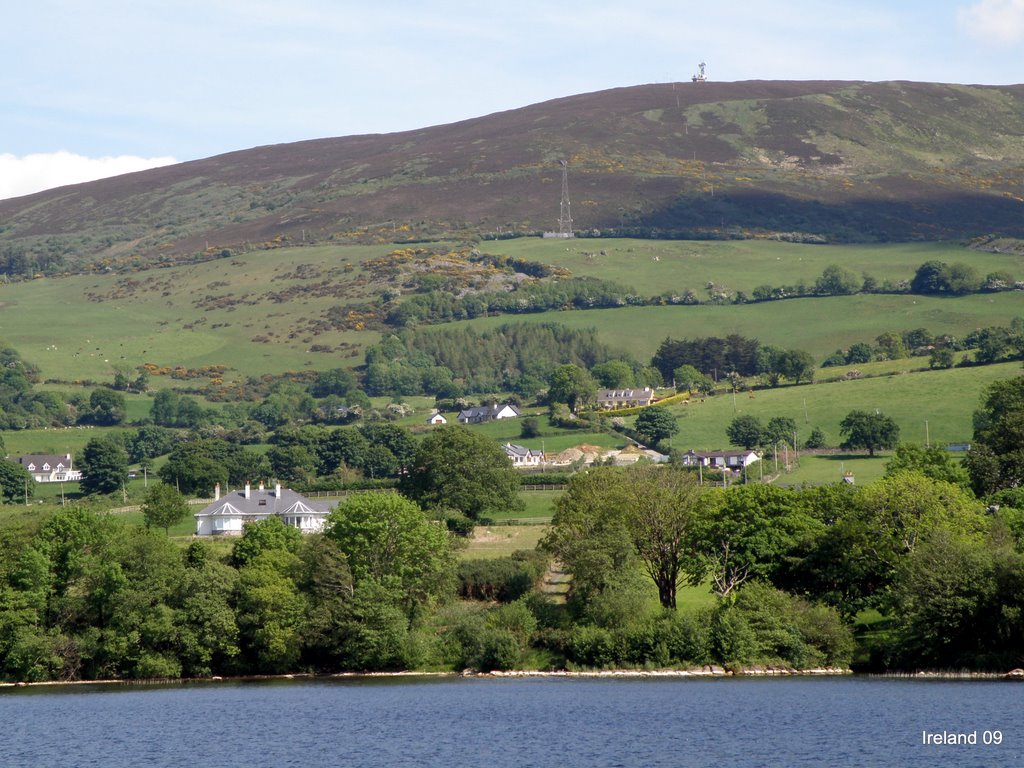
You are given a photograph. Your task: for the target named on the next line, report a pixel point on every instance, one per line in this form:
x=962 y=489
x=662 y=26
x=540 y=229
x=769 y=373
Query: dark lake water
x=571 y=723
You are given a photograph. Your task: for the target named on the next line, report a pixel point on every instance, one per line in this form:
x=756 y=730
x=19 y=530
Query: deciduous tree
x=460 y=469
x=163 y=507
x=868 y=431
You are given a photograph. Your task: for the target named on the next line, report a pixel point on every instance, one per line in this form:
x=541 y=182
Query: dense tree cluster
x=992 y=344
x=575 y=293
x=87 y=596
x=720 y=357
x=453 y=361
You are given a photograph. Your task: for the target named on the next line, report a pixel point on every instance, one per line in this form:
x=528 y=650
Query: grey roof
x=519 y=450
x=484 y=411
x=626 y=394
x=39 y=459
x=265 y=502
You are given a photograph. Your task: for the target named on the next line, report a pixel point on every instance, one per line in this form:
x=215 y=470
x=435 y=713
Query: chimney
x=216 y=492
x=277 y=490
x=247 y=489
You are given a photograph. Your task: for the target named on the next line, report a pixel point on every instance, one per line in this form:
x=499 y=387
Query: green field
x=263 y=311
x=655 y=266
x=933 y=404
x=818 y=325
x=502 y=540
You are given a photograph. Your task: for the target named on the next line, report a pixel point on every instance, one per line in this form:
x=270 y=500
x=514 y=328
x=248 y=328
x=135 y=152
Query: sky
x=94 y=89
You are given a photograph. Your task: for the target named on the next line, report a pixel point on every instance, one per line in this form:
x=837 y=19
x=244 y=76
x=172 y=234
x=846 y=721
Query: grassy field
x=552 y=440
x=817 y=325
x=933 y=404
x=263 y=311
x=655 y=266
x=502 y=540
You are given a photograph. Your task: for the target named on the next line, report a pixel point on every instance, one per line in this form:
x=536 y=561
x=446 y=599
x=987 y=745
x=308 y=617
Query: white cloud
x=1000 y=21
x=36 y=172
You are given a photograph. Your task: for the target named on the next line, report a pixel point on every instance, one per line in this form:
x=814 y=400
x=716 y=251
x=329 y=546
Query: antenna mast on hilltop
x=565 y=217
x=701 y=76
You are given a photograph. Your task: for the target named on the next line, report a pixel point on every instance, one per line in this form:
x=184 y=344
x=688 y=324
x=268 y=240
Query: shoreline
x=705 y=672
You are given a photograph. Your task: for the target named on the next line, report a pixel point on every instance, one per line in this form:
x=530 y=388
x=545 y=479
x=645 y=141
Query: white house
x=437 y=418
x=232 y=512
x=523 y=457
x=46 y=468
x=624 y=398
x=720 y=459
x=488 y=413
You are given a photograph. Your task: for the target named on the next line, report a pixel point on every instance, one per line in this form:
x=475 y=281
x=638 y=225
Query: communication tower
x=700 y=77
x=565 y=217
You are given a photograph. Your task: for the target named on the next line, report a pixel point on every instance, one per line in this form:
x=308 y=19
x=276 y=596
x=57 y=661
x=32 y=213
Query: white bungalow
x=624 y=398
x=437 y=418
x=231 y=513
x=46 y=468
x=720 y=459
x=523 y=457
x=484 y=413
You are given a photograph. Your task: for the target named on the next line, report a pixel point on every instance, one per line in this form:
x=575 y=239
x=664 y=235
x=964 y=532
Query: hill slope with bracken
x=839 y=160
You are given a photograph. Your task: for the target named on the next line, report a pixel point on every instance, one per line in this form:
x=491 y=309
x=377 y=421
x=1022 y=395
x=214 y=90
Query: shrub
x=591 y=646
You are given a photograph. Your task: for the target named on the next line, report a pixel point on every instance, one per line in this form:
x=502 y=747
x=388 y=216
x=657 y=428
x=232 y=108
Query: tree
x=779 y=429
x=870 y=431
x=656 y=424
x=529 y=428
x=15 y=482
x=460 y=469
x=748 y=532
x=746 y=431
x=104 y=466
x=388 y=540
x=106 y=407
x=610 y=518
x=836 y=281
x=891 y=346
x=933 y=462
x=614 y=374
x=941 y=357
x=796 y=365
x=163 y=507
x=337 y=381
x=571 y=385
x=859 y=354
x=688 y=378
x=661 y=506
x=931 y=277
x=816 y=439
x=996 y=460
x=193 y=473
x=150 y=441
x=262 y=536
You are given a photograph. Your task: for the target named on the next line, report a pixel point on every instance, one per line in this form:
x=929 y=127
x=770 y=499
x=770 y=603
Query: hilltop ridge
x=832 y=160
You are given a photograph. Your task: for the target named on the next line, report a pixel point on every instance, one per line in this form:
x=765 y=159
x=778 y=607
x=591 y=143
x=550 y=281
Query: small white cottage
x=228 y=515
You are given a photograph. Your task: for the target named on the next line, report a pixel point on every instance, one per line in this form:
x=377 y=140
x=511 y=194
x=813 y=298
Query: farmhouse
x=436 y=418
x=624 y=398
x=484 y=413
x=232 y=512
x=720 y=459
x=523 y=457
x=46 y=468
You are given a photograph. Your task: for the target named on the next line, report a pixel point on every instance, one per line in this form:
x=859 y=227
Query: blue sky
x=90 y=89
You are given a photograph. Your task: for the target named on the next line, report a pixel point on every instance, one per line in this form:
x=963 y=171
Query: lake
x=564 y=722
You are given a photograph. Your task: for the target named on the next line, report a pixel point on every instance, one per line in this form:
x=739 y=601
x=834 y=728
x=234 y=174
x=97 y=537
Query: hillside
x=844 y=161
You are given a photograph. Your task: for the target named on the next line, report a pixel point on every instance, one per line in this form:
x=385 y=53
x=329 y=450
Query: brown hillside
x=840 y=160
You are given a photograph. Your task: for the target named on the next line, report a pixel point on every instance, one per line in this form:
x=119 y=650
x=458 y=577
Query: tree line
x=86 y=596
